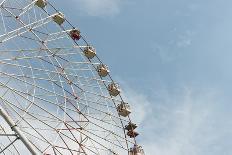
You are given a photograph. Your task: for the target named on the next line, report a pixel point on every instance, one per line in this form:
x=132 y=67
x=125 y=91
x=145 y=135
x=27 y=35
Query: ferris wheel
x=56 y=96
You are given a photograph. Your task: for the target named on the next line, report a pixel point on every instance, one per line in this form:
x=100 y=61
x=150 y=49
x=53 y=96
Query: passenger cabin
x=131 y=126
x=132 y=133
x=75 y=34
x=59 y=18
x=89 y=52
x=136 y=150
x=114 y=89
x=124 y=109
x=41 y=3
x=103 y=70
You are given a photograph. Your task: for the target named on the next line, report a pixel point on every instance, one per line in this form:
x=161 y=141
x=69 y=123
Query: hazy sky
x=172 y=58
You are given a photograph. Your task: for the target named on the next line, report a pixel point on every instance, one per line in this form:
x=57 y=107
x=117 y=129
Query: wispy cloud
x=180 y=123
x=100 y=7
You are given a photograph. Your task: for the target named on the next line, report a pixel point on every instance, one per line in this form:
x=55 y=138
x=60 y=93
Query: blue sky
x=173 y=61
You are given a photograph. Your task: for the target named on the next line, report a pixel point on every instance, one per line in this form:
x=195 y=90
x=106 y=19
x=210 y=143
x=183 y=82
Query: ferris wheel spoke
x=65 y=136
x=104 y=129
x=85 y=130
x=8 y=137
x=19 y=6
x=12 y=107
x=23 y=29
x=56 y=36
x=99 y=95
x=30 y=124
x=61 y=96
x=27 y=8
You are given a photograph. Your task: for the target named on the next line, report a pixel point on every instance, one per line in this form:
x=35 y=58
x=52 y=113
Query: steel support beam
x=17 y=131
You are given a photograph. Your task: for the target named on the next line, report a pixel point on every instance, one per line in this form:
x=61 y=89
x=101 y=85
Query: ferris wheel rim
x=91 y=63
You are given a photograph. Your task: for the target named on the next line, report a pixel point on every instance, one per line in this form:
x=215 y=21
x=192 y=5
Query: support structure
x=18 y=132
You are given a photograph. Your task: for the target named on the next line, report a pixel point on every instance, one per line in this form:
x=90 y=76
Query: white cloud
x=185 y=39
x=178 y=123
x=100 y=7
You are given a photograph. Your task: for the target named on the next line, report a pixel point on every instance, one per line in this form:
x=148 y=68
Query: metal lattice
x=52 y=91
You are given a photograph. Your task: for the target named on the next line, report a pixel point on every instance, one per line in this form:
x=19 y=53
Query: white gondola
x=103 y=70
x=137 y=150
x=89 y=52
x=114 y=89
x=59 y=18
x=124 y=109
x=41 y=3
